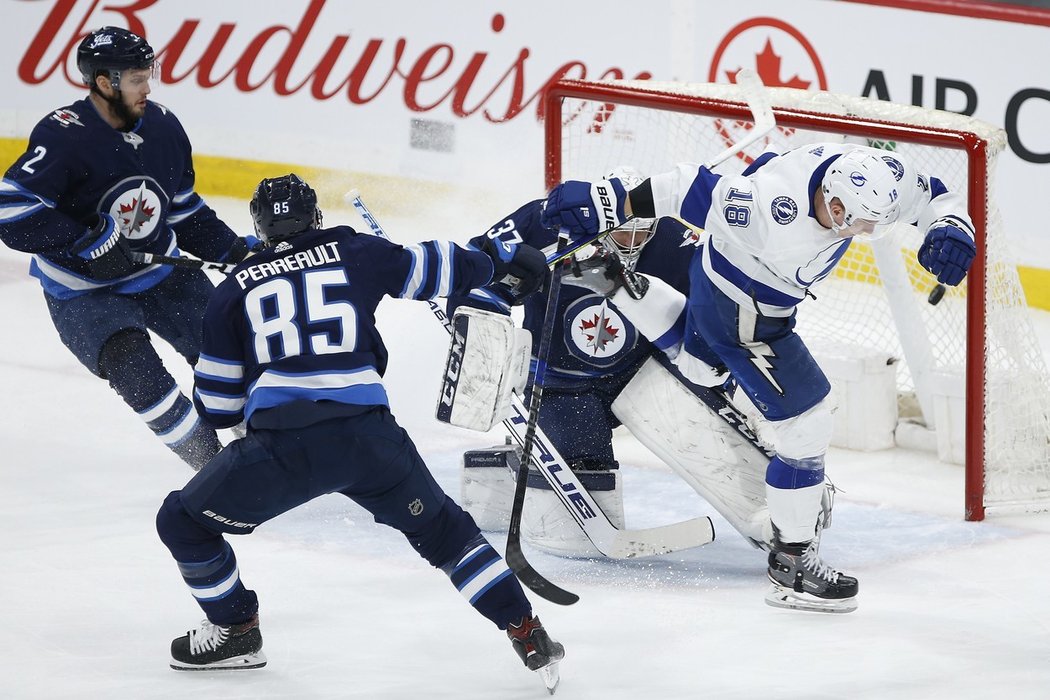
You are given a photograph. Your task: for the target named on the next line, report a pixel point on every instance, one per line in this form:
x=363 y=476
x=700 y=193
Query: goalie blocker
x=488 y=358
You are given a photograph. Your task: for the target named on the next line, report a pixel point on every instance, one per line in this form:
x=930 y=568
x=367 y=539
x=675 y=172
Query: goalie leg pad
x=488 y=358
x=487 y=483
x=547 y=525
x=700 y=446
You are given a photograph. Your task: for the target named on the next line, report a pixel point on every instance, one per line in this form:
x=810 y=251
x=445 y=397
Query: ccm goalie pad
x=488 y=358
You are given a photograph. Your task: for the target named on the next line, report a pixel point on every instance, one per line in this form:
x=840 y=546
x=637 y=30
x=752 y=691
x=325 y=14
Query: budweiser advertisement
x=450 y=92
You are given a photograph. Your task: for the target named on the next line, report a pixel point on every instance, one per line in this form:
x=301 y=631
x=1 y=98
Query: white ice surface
x=90 y=599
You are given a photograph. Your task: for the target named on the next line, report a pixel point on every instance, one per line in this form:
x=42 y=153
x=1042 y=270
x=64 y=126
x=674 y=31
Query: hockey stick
x=514 y=555
x=606 y=537
x=764 y=120
x=155 y=259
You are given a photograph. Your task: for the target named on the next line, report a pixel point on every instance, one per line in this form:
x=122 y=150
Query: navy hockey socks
x=136 y=373
x=488 y=584
x=207 y=564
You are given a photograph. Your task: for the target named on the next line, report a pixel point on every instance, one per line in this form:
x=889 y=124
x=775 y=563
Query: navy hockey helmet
x=111 y=50
x=283 y=207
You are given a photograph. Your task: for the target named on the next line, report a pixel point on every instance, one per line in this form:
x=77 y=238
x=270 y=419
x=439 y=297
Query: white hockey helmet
x=866 y=184
x=629 y=239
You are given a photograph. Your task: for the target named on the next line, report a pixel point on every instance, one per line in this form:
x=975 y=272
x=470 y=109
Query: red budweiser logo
x=426 y=76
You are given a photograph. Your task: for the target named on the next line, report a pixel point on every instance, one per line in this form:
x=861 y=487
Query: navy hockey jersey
x=591 y=337
x=77 y=166
x=290 y=334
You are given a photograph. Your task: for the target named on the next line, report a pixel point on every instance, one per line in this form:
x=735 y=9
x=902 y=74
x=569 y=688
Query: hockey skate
x=801 y=581
x=215 y=648
x=537 y=650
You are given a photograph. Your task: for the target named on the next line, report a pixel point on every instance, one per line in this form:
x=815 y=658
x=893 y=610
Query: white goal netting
x=878 y=298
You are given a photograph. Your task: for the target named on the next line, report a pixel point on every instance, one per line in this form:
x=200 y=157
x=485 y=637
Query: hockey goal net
x=968 y=369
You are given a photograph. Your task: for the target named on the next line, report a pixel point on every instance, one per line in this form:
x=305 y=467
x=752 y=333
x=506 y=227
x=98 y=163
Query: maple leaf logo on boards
x=599 y=332
x=780 y=54
x=768 y=66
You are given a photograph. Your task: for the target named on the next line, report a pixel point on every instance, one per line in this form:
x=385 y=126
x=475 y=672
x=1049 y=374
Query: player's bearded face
x=129 y=102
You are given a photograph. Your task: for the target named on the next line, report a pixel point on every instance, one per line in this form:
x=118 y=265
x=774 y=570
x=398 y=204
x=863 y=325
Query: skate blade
x=551 y=676
x=781 y=597
x=234 y=663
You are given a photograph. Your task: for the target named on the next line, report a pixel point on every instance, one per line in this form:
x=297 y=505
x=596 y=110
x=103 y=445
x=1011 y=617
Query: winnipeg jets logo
x=137 y=207
x=101 y=40
x=599 y=331
x=596 y=333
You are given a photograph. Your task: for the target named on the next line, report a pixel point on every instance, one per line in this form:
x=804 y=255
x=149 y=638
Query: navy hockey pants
x=367 y=457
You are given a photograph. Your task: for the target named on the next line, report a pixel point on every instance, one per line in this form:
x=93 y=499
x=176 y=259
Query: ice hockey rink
x=91 y=598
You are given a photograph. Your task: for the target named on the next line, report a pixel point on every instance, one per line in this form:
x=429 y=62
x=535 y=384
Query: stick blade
x=533 y=580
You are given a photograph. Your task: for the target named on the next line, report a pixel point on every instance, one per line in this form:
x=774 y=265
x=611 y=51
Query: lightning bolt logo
x=761 y=357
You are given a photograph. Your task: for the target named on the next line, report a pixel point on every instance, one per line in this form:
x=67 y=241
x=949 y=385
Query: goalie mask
x=867 y=188
x=110 y=51
x=284 y=207
x=628 y=240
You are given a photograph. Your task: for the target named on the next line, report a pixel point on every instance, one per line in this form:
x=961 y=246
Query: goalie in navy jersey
x=291 y=347
x=620 y=356
x=596 y=351
x=107 y=175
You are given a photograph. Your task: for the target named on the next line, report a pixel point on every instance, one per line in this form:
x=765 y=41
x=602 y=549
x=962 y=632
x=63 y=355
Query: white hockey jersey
x=764 y=246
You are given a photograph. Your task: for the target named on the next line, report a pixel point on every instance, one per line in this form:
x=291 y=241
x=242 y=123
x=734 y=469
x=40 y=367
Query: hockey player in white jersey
x=771 y=234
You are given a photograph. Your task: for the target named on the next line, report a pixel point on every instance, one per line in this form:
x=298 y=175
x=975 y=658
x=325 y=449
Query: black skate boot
x=537 y=650
x=802 y=581
x=214 y=647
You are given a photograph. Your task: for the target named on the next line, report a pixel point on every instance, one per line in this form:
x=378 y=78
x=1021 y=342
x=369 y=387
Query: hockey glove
x=520 y=267
x=947 y=252
x=584 y=208
x=105 y=250
x=242 y=248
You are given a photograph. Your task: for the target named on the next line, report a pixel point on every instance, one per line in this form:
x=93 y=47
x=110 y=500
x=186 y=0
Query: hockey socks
x=207 y=564
x=134 y=370
x=484 y=579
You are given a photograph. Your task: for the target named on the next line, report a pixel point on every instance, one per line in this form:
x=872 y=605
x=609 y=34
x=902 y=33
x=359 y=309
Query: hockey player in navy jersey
x=604 y=372
x=773 y=232
x=595 y=352
x=110 y=174
x=291 y=346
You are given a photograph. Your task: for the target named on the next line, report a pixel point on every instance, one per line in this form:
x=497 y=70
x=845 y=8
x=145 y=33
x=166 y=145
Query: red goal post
x=979 y=336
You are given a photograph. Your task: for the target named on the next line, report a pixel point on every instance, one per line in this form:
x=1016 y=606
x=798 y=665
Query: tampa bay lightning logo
x=784 y=210
x=896 y=166
x=857 y=178
x=596 y=333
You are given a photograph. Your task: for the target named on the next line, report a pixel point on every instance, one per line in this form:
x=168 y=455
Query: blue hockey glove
x=105 y=250
x=520 y=267
x=242 y=248
x=584 y=208
x=947 y=252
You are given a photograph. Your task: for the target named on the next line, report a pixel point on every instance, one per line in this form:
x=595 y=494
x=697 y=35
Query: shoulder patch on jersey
x=784 y=210
x=162 y=108
x=66 y=117
x=896 y=166
x=924 y=183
